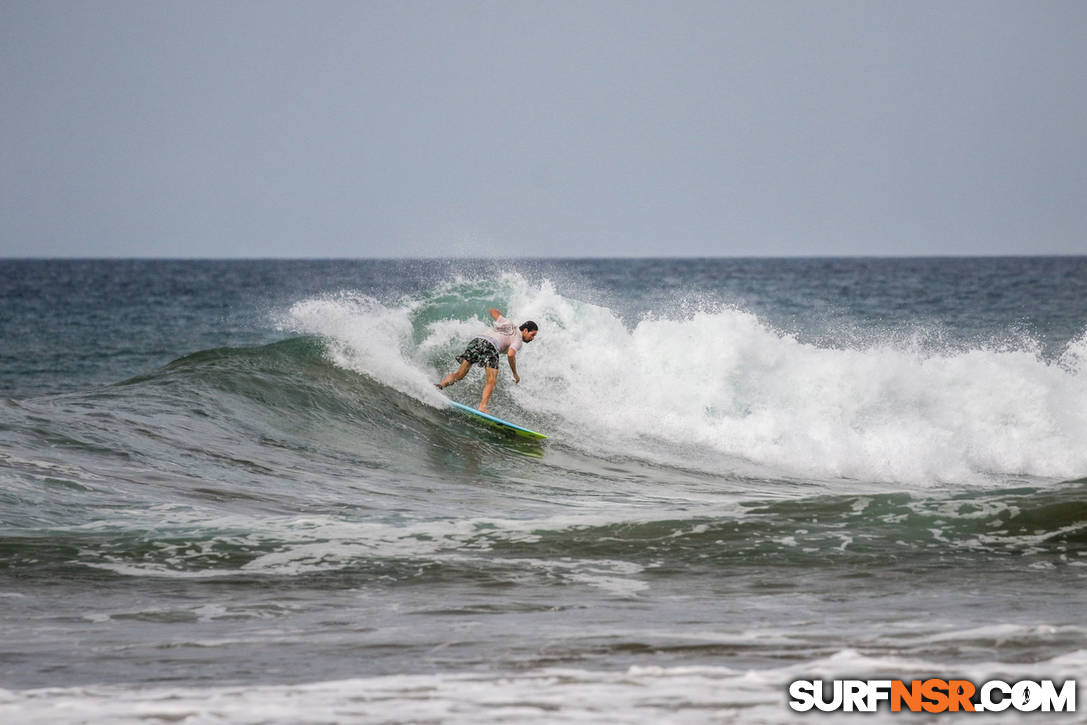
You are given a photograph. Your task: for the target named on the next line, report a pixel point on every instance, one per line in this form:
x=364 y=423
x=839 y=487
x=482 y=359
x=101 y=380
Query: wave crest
x=718 y=387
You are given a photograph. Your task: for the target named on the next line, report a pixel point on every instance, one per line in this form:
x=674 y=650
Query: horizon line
x=693 y=257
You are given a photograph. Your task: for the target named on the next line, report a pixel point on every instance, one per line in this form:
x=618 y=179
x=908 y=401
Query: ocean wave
x=721 y=390
x=539 y=695
x=621 y=550
x=710 y=407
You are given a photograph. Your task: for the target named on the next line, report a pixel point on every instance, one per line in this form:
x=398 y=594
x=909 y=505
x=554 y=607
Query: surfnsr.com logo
x=932 y=695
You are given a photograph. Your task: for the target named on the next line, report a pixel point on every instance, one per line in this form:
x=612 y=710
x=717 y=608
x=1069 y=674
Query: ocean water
x=229 y=491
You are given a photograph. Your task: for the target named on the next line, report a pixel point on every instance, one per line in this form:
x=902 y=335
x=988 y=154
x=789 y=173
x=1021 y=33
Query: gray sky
x=591 y=128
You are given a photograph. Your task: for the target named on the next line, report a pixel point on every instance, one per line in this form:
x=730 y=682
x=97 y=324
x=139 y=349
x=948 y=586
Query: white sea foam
x=722 y=385
x=365 y=336
x=693 y=694
x=303 y=546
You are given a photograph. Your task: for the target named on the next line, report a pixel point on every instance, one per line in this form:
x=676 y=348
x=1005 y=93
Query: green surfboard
x=498 y=422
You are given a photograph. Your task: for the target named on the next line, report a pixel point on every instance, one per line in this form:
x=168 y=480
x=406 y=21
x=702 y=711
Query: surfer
x=485 y=349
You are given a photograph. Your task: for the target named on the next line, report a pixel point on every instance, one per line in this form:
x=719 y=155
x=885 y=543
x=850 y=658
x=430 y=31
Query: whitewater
x=720 y=387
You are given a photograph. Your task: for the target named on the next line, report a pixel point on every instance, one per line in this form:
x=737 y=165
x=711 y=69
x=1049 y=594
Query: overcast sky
x=590 y=128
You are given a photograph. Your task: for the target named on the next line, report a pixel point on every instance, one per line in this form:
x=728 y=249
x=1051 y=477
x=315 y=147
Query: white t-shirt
x=504 y=335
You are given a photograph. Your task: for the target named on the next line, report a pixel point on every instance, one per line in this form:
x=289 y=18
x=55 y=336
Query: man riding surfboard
x=484 y=350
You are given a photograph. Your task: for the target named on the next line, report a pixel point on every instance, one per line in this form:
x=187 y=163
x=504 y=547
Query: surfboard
x=498 y=422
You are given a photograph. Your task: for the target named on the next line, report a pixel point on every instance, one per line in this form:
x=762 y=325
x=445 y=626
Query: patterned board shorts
x=480 y=352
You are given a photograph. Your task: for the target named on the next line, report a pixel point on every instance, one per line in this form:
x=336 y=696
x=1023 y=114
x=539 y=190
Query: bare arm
x=495 y=314
x=512 y=357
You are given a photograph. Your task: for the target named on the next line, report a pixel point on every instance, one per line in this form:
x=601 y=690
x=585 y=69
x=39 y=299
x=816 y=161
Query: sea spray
x=721 y=387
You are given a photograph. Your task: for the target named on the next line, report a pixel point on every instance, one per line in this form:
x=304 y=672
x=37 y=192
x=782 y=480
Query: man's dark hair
x=530 y=326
